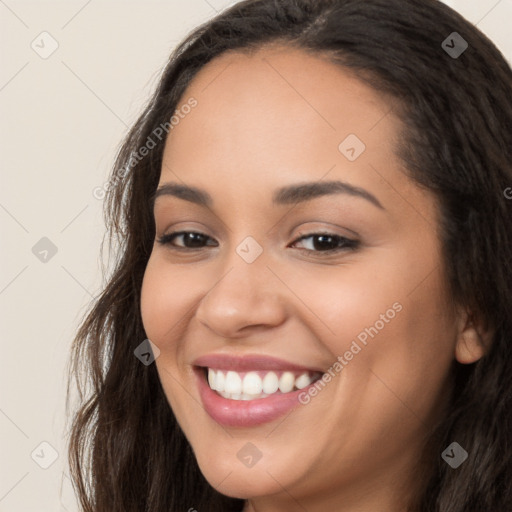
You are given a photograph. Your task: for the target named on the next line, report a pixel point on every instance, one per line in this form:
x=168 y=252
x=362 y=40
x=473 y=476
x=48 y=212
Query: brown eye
x=190 y=240
x=321 y=243
x=327 y=243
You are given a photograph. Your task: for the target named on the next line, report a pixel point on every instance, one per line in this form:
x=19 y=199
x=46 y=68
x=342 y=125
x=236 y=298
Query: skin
x=264 y=121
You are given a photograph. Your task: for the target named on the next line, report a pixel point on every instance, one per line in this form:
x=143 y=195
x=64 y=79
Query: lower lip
x=245 y=413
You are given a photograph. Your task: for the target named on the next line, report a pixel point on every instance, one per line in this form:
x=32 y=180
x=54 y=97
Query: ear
x=474 y=338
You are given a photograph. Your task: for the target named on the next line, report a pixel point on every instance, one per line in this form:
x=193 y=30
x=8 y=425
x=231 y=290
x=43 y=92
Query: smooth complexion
x=263 y=122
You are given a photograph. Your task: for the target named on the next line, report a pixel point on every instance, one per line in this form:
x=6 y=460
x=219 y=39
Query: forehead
x=278 y=89
x=280 y=115
x=283 y=101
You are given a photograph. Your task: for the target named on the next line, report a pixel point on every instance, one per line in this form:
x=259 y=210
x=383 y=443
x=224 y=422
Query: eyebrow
x=283 y=196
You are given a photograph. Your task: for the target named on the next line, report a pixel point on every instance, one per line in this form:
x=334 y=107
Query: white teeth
x=251 y=385
x=211 y=378
x=270 y=383
x=233 y=383
x=286 y=382
x=220 y=382
x=303 y=381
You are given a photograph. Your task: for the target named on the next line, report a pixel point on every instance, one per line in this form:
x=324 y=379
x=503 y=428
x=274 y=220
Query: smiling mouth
x=257 y=384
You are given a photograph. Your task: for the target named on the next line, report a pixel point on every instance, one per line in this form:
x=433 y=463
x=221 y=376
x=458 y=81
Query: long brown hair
x=126 y=450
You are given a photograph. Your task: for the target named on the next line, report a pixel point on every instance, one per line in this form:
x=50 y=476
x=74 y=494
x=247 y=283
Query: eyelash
x=348 y=244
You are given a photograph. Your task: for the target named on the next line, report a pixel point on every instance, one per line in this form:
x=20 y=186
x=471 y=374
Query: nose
x=247 y=297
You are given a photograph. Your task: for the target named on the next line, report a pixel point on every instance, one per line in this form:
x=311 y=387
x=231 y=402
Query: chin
x=242 y=483
x=236 y=481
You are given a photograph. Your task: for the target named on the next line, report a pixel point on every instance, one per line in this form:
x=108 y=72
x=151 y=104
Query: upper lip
x=249 y=362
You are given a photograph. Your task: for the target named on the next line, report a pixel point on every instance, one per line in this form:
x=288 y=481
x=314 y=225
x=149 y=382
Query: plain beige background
x=62 y=118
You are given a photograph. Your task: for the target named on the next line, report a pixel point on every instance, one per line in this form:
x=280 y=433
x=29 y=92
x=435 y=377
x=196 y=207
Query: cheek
x=166 y=297
x=392 y=322
x=406 y=351
x=166 y=304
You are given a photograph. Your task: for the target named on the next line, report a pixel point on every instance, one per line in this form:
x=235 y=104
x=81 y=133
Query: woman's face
x=259 y=299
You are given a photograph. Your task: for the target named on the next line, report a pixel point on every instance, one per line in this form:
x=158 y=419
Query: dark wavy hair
x=126 y=451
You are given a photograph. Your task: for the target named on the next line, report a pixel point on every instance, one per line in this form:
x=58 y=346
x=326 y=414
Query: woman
x=314 y=234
